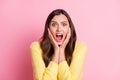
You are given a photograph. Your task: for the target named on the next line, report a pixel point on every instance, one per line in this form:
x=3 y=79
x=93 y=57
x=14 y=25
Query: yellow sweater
x=61 y=71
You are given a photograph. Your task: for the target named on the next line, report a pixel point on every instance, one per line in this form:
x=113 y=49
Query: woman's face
x=59 y=27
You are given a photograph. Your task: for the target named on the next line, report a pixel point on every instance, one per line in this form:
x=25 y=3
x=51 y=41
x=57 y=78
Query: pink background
x=97 y=22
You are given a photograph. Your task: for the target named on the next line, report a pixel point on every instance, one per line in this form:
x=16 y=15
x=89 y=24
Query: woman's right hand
x=52 y=40
x=56 y=47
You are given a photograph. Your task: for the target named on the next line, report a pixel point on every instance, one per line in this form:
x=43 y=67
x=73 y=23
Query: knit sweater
x=55 y=71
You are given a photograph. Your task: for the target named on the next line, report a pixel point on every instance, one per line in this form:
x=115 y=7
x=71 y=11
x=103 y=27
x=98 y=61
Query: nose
x=59 y=28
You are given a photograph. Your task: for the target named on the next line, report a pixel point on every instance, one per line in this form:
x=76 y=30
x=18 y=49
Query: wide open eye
x=53 y=24
x=64 y=24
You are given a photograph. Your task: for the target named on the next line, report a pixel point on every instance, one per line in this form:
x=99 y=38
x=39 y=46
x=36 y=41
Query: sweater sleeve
x=40 y=71
x=74 y=71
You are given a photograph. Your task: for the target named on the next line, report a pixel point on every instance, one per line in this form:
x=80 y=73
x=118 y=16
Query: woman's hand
x=55 y=56
x=66 y=40
x=63 y=46
x=52 y=40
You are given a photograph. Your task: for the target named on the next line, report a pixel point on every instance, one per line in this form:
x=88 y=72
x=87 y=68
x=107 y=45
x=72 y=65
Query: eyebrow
x=56 y=21
x=52 y=21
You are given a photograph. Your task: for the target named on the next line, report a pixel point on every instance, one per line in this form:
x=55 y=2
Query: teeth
x=59 y=34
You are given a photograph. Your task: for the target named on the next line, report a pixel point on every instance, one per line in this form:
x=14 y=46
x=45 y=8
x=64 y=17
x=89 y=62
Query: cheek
x=52 y=31
x=66 y=30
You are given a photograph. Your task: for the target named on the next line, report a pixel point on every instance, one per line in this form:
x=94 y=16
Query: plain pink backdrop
x=97 y=22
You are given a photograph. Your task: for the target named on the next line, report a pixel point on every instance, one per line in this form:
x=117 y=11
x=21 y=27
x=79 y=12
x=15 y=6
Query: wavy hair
x=47 y=47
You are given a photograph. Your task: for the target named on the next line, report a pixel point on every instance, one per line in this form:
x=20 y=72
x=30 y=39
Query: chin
x=59 y=43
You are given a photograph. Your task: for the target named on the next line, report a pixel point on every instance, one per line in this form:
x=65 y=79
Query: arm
x=74 y=72
x=40 y=71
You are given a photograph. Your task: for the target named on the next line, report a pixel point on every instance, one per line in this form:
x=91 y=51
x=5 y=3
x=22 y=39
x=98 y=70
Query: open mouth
x=59 y=37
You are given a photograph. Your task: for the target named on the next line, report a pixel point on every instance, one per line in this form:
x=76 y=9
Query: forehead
x=59 y=18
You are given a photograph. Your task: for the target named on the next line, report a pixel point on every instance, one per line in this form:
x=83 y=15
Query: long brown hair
x=47 y=47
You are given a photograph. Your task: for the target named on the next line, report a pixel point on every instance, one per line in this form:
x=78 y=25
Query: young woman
x=58 y=56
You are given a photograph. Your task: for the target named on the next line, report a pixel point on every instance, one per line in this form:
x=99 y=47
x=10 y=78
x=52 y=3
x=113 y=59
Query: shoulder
x=35 y=44
x=35 y=48
x=80 y=48
x=80 y=44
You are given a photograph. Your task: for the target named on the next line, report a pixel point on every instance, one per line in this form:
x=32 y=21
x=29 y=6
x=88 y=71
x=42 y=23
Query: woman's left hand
x=63 y=45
